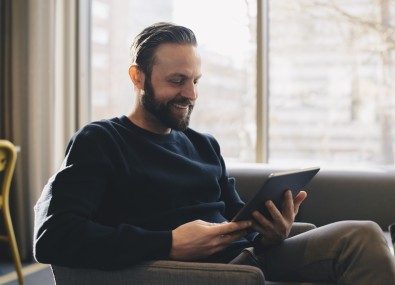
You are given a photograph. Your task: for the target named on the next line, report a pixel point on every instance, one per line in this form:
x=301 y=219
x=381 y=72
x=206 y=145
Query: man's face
x=171 y=92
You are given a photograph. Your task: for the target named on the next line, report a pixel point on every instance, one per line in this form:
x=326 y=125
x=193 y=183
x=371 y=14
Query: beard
x=162 y=111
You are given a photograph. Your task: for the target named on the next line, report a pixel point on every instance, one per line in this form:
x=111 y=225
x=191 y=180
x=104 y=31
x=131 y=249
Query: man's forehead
x=177 y=58
x=176 y=53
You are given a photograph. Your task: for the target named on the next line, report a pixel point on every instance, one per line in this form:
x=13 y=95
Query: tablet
x=274 y=189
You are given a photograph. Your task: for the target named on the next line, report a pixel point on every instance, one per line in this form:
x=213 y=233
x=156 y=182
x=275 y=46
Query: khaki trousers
x=346 y=253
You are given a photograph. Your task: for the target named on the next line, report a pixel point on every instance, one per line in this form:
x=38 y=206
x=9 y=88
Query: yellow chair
x=7 y=166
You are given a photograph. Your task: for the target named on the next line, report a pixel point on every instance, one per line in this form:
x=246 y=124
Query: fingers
x=261 y=223
x=223 y=241
x=275 y=214
x=226 y=228
x=227 y=239
x=302 y=195
x=199 y=239
x=291 y=205
x=226 y=233
x=288 y=205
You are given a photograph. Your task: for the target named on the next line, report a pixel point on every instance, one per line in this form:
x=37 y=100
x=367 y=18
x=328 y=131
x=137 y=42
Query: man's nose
x=190 y=91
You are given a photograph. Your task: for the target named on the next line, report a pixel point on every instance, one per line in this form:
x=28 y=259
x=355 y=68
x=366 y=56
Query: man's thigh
x=304 y=257
x=339 y=251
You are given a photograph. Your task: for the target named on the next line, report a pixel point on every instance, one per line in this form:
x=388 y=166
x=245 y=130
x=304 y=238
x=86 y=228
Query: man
x=146 y=186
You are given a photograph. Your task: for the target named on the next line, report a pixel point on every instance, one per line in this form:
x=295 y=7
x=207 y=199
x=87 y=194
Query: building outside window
x=331 y=71
x=330 y=64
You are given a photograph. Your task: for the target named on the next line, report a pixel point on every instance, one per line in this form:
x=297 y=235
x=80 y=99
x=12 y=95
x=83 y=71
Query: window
x=329 y=66
x=331 y=87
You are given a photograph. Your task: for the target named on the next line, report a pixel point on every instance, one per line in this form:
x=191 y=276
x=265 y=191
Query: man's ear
x=137 y=76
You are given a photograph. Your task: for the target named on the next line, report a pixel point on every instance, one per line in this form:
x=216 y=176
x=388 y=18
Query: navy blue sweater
x=121 y=191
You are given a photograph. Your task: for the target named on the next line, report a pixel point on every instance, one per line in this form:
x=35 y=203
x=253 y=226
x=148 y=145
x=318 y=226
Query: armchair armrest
x=163 y=272
x=298 y=228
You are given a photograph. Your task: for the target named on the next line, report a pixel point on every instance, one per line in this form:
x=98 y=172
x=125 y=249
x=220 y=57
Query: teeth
x=181 y=106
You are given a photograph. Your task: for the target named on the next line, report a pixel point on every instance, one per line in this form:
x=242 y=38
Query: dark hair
x=143 y=48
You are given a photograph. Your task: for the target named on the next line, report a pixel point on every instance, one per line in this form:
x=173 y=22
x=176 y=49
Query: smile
x=181 y=106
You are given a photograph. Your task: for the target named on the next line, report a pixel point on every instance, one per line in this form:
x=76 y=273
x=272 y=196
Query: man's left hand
x=275 y=231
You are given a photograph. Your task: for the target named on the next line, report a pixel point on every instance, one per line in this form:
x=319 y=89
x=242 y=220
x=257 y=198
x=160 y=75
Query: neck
x=147 y=121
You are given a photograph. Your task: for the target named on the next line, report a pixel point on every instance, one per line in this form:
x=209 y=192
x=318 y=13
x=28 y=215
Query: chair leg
x=13 y=245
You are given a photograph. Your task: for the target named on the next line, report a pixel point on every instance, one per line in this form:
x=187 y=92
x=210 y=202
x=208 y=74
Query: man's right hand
x=199 y=239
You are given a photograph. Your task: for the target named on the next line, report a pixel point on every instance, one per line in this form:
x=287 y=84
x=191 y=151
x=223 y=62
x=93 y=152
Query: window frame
x=83 y=62
x=262 y=84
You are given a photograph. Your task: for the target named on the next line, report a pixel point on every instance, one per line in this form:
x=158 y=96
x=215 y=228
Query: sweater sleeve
x=229 y=195
x=66 y=232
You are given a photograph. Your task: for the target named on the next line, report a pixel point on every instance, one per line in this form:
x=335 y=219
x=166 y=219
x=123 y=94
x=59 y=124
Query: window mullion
x=262 y=109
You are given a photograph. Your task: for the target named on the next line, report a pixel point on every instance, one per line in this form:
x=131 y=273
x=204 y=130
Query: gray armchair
x=165 y=272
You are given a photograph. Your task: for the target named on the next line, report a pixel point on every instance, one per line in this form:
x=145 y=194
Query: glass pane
x=331 y=71
x=226 y=34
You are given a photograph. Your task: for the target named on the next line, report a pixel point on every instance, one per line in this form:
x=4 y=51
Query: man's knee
x=368 y=231
x=364 y=236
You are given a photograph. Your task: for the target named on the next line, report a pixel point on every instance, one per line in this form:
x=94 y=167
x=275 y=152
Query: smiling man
x=146 y=186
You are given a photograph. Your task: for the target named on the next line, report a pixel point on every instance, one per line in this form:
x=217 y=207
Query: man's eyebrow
x=183 y=75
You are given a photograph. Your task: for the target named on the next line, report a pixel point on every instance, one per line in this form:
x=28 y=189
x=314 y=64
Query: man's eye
x=176 y=81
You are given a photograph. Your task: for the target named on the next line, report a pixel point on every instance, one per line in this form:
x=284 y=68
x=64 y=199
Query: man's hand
x=276 y=231
x=200 y=239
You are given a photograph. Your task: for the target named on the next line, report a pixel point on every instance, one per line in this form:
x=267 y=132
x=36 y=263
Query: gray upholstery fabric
x=168 y=273
x=163 y=273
